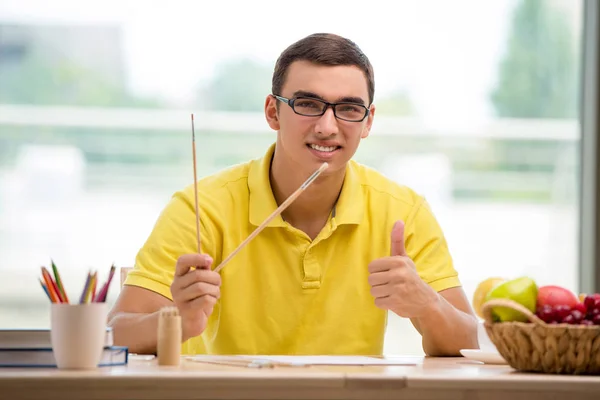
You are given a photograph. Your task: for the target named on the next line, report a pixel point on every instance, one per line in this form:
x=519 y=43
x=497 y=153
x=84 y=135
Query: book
x=44 y=357
x=35 y=338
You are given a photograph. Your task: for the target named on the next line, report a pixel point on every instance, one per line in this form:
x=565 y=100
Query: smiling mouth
x=324 y=149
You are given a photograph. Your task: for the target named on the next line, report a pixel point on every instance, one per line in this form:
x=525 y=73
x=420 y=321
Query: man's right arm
x=168 y=272
x=134 y=319
x=195 y=290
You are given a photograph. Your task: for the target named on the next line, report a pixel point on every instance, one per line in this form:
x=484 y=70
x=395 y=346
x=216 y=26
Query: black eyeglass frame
x=290 y=102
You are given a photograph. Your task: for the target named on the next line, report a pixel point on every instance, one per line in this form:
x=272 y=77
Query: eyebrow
x=345 y=99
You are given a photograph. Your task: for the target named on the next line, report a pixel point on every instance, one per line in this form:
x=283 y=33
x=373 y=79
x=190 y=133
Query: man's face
x=308 y=141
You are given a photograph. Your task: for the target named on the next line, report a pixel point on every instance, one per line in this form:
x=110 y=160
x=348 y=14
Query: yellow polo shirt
x=283 y=293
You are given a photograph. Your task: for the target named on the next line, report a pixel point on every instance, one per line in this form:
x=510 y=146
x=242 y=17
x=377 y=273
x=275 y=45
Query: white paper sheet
x=338 y=360
x=259 y=360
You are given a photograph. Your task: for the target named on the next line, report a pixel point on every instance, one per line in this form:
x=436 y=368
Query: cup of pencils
x=77 y=329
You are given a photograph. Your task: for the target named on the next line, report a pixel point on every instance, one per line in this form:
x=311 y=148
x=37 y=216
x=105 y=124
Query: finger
x=378 y=278
x=380 y=265
x=397 y=248
x=381 y=291
x=187 y=261
x=197 y=275
x=383 y=302
x=196 y=290
x=205 y=303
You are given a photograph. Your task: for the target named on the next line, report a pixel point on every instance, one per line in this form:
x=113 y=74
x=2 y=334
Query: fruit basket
x=537 y=346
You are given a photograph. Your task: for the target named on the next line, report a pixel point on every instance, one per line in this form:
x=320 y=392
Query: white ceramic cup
x=485 y=343
x=78 y=334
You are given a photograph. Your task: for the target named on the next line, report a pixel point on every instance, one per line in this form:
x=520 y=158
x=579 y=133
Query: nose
x=327 y=123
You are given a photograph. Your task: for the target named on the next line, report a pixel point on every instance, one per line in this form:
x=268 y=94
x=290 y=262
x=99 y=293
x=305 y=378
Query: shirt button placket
x=312 y=270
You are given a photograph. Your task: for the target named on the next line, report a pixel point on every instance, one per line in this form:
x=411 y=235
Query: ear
x=272 y=113
x=369 y=123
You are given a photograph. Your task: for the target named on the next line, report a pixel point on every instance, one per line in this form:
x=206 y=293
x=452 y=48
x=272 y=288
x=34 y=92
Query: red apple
x=553 y=295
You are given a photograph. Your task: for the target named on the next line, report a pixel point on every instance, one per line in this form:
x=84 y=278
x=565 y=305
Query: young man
x=321 y=277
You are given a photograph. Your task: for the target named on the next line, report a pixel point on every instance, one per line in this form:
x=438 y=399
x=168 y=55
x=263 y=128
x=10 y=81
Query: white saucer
x=486 y=357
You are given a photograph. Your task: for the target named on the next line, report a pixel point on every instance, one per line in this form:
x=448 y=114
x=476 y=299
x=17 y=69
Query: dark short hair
x=323 y=49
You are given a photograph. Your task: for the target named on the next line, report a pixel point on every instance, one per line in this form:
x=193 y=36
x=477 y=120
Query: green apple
x=522 y=290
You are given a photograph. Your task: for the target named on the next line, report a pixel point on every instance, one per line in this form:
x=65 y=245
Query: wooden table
x=434 y=378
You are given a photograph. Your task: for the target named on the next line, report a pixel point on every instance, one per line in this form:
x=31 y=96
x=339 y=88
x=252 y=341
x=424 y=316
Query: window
x=477 y=109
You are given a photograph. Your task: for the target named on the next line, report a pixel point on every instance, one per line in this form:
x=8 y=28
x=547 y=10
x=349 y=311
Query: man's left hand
x=395 y=283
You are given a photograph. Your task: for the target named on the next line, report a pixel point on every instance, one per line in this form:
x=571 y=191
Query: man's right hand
x=195 y=290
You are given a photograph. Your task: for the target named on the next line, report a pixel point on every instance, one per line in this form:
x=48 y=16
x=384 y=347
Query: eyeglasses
x=311 y=107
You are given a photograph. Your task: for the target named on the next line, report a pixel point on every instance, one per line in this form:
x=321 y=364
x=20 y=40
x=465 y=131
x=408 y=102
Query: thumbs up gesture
x=395 y=283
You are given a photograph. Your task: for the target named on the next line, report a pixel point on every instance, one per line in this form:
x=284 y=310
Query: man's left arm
x=424 y=286
x=448 y=325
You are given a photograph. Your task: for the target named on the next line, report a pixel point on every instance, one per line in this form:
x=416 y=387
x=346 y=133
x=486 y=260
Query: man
x=321 y=277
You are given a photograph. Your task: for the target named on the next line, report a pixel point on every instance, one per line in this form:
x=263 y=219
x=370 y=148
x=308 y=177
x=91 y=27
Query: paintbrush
x=275 y=213
x=196 y=188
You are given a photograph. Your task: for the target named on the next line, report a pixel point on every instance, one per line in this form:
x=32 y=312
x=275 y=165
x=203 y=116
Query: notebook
x=35 y=338
x=44 y=357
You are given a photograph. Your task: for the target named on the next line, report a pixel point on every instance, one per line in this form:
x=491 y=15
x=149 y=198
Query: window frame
x=589 y=214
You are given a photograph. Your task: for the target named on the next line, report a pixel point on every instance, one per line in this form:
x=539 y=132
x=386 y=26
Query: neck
x=315 y=204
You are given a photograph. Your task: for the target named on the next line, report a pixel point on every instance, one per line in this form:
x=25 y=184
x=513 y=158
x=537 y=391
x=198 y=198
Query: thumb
x=397 y=248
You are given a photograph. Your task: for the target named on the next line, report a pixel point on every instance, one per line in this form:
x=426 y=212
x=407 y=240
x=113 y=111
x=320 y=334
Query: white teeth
x=323 y=148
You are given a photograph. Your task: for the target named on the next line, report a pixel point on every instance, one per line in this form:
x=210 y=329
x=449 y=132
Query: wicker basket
x=536 y=346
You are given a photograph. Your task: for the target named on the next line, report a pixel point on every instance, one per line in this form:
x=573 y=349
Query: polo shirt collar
x=262 y=202
x=349 y=208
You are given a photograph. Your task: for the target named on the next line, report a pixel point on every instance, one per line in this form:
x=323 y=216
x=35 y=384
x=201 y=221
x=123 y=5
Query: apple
x=553 y=295
x=481 y=292
x=522 y=290
x=585 y=312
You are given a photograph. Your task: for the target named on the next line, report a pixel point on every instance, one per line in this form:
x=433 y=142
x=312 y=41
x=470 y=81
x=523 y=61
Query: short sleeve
x=427 y=247
x=173 y=235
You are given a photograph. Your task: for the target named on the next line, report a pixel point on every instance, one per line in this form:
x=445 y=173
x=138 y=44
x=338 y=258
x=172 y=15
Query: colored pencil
x=49 y=285
x=110 y=278
x=88 y=297
x=59 y=284
x=44 y=281
x=56 y=292
x=85 y=288
x=102 y=294
x=88 y=293
x=45 y=289
x=93 y=295
x=54 y=286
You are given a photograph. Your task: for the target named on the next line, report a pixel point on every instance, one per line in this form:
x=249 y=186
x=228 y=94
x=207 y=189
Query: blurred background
x=477 y=109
